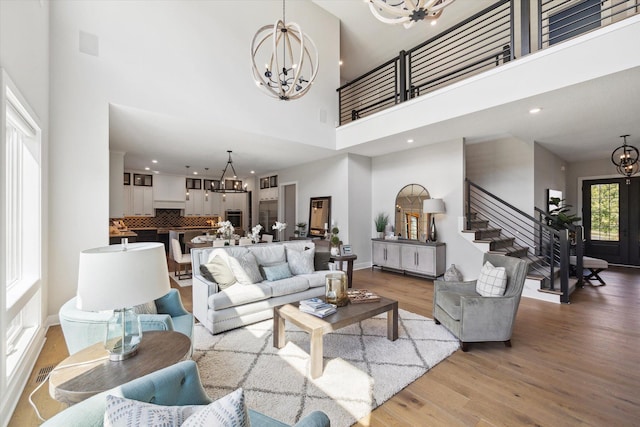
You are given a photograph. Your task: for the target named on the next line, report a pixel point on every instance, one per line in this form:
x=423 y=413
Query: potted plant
x=561 y=218
x=301 y=229
x=335 y=241
x=381 y=220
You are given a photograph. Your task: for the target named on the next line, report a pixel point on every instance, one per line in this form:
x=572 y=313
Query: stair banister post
x=564 y=265
x=580 y=254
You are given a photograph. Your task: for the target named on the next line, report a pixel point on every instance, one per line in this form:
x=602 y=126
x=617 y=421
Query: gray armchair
x=475 y=318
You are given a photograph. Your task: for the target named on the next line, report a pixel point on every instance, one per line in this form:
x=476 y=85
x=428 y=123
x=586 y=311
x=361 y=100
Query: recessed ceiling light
x=147 y=168
x=409 y=141
x=535 y=110
x=340 y=62
x=434 y=22
x=253 y=172
x=154 y=161
x=195 y=173
x=156 y=171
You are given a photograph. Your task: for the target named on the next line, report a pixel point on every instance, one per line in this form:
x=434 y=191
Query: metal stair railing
x=549 y=248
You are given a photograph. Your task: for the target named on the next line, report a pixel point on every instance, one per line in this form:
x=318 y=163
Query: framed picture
x=345 y=250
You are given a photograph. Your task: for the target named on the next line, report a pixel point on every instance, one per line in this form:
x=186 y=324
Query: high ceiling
x=579 y=122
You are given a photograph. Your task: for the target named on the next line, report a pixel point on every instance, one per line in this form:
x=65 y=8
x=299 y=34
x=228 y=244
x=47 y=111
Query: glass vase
x=336 y=289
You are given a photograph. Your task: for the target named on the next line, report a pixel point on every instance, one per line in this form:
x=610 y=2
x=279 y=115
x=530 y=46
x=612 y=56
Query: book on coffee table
x=359 y=296
x=317 y=307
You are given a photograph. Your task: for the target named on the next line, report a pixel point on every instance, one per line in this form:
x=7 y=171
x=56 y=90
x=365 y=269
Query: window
x=605 y=212
x=21 y=229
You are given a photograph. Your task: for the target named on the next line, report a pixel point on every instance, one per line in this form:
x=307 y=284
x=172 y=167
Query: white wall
x=503 y=167
x=359 y=186
x=440 y=169
x=172 y=58
x=550 y=173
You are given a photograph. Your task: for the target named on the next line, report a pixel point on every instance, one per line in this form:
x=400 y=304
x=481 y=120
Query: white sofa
x=242 y=304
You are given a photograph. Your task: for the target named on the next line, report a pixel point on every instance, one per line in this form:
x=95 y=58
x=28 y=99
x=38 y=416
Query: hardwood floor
x=576 y=364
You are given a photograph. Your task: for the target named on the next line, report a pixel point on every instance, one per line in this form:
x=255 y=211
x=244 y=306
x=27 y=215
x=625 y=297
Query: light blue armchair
x=178 y=384
x=84 y=328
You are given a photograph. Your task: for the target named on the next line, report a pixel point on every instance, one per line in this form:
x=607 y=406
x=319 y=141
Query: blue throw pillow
x=276 y=272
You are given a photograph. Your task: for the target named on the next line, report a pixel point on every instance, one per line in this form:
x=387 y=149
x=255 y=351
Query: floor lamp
x=433 y=206
x=119 y=277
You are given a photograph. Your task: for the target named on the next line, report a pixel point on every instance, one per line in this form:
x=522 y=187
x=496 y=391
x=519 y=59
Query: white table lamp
x=433 y=206
x=118 y=277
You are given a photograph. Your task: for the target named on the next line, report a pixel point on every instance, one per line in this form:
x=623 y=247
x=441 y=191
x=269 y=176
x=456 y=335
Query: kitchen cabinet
x=195 y=205
x=212 y=204
x=410 y=256
x=128 y=200
x=386 y=254
x=142 y=201
x=269 y=188
x=236 y=202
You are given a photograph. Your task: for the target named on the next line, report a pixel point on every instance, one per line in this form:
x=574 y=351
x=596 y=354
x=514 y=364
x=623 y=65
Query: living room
x=71 y=93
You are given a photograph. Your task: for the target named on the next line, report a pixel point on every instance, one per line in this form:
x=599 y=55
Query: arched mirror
x=411 y=222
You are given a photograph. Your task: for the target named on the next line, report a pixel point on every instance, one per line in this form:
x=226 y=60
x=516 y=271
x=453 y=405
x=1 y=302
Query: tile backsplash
x=167 y=218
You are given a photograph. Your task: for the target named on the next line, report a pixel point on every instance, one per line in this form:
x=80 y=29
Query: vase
x=336 y=289
x=335 y=251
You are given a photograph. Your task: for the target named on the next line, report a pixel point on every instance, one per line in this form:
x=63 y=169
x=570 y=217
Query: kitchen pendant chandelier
x=235 y=185
x=407 y=12
x=625 y=157
x=285 y=76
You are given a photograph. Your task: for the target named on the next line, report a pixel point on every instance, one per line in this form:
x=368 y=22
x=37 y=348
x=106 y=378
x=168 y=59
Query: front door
x=611 y=219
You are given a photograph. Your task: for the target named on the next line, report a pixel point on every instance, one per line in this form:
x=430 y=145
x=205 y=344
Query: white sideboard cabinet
x=410 y=256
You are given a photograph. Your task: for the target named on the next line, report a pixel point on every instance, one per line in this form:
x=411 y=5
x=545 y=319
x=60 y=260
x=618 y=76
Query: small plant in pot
x=560 y=218
x=335 y=241
x=380 y=221
x=301 y=228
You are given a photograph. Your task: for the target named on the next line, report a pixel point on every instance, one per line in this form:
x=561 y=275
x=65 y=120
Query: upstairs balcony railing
x=481 y=42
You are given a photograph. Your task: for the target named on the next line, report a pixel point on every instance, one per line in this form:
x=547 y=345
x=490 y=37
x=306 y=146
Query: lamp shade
x=120 y=276
x=433 y=206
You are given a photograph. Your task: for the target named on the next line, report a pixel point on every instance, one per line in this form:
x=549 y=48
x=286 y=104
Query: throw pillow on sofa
x=492 y=281
x=276 y=272
x=122 y=412
x=245 y=269
x=229 y=410
x=218 y=271
x=301 y=262
x=320 y=260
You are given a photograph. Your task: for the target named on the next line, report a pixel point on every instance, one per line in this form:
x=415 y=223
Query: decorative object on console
x=301 y=229
x=433 y=206
x=407 y=12
x=335 y=241
x=625 y=157
x=235 y=185
x=336 y=289
x=285 y=76
x=119 y=277
x=381 y=220
x=279 y=227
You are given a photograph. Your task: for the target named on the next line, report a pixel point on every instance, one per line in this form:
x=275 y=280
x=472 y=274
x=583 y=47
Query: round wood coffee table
x=89 y=371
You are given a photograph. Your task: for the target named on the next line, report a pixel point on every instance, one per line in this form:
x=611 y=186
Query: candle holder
x=336 y=289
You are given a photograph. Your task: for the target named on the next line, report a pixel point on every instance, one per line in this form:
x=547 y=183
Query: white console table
x=409 y=256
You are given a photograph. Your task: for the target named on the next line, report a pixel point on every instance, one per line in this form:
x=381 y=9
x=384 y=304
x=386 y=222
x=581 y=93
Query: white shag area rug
x=362 y=368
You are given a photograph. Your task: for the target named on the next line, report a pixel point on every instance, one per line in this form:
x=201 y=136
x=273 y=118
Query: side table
x=349 y=259
x=89 y=371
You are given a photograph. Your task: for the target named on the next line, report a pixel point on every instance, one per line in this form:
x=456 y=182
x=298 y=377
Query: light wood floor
x=576 y=364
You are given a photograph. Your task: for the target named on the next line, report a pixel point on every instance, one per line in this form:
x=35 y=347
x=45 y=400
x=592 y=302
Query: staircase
x=495 y=226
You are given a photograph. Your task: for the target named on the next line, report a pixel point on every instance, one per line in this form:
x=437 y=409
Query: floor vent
x=42 y=375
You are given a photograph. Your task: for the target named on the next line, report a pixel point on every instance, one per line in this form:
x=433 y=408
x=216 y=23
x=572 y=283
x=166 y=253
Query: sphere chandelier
x=625 y=157
x=407 y=12
x=290 y=59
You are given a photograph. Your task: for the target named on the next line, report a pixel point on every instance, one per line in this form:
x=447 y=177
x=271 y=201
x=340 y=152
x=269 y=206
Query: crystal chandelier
x=285 y=76
x=235 y=185
x=625 y=157
x=407 y=12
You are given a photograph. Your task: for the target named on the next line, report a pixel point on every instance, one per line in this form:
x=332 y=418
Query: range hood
x=169 y=204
